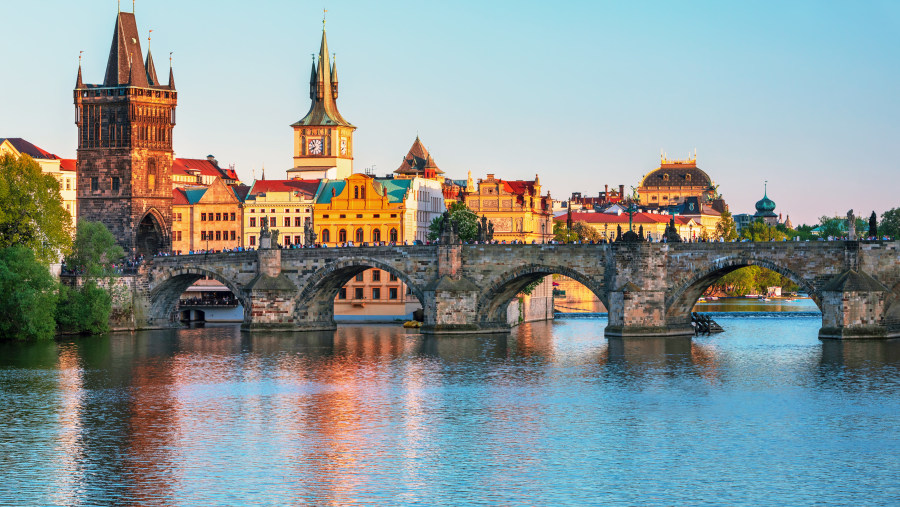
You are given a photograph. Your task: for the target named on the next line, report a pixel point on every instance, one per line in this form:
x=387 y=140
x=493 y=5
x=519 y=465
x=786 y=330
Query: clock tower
x=323 y=139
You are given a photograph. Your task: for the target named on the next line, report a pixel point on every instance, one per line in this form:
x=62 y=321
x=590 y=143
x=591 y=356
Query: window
x=232 y=217
x=287 y=241
x=687 y=177
x=359 y=235
x=202 y=235
x=115 y=184
x=393 y=215
x=356 y=192
x=392 y=293
x=95 y=184
x=252 y=221
x=252 y=240
x=233 y=236
x=324 y=216
x=666 y=177
x=272 y=222
x=393 y=277
x=359 y=277
x=326 y=236
x=358 y=293
x=218 y=217
x=68 y=184
x=298 y=240
x=376 y=275
x=343 y=216
x=342 y=294
x=203 y=217
x=376 y=292
x=393 y=235
x=376 y=235
x=376 y=215
x=273 y=210
x=359 y=215
x=218 y=235
x=342 y=236
x=298 y=221
x=287 y=221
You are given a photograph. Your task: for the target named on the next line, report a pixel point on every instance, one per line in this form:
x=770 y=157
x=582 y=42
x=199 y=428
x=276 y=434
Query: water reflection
x=383 y=415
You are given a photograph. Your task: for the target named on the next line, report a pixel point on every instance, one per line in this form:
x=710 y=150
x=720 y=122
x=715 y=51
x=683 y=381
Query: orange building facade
x=206 y=218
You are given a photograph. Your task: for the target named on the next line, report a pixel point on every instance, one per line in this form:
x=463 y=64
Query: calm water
x=764 y=414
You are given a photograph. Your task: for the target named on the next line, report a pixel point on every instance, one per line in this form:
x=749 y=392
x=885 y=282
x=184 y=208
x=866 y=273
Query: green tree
x=830 y=226
x=28 y=296
x=466 y=223
x=580 y=231
x=86 y=309
x=759 y=231
x=95 y=250
x=726 y=228
x=890 y=223
x=31 y=210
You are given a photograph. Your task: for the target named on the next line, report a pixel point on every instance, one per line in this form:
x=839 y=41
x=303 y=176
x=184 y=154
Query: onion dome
x=765 y=207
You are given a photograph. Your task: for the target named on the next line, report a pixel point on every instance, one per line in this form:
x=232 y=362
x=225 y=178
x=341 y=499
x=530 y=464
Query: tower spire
x=78 y=82
x=171 y=74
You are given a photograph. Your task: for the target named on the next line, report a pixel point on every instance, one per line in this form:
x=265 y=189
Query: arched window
x=393 y=235
x=359 y=235
x=376 y=235
x=363 y=193
x=326 y=236
x=356 y=192
x=151 y=174
x=342 y=236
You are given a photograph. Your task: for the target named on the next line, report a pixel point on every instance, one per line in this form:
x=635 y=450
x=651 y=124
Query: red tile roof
x=609 y=218
x=29 y=149
x=67 y=164
x=203 y=165
x=179 y=197
x=308 y=187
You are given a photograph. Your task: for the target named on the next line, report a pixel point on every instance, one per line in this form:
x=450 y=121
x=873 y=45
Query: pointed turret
x=125 y=53
x=78 y=82
x=323 y=110
x=312 y=81
x=171 y=79
x=334 y=80
x=152 y=80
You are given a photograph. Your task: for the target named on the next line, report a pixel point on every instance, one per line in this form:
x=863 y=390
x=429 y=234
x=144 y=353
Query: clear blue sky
x=802 y=93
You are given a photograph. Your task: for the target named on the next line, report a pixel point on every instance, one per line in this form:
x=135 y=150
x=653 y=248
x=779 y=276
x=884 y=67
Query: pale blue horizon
x=585 y=94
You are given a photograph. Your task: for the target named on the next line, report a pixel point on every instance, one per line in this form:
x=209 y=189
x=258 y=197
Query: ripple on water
x=554 y=414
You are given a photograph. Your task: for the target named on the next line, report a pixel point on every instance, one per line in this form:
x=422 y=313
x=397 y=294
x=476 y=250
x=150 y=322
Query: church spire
x=312 y=80
x=334 y=79
x=323 y=110
x=125 y=53
x=78 y=82
x=151 y=69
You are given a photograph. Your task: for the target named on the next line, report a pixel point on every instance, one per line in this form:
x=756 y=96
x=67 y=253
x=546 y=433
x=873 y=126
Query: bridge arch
x=165 y=295
x=494 y=299
x=892 y=309
x=681 y=299
x=315 y=303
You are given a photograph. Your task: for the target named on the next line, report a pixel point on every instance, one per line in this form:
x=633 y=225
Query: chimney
x=213 y=160
x=605 y=192
x=621 y=191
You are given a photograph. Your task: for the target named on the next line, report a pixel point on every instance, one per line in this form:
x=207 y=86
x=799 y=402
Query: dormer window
x=666 y=177
x=687 y=177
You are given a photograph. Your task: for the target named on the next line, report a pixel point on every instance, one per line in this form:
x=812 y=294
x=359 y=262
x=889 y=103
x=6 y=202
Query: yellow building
x=674 y=181
x=63 y=170
x=515 y=207
x=287 y=205
x=361 y=210
x=206 y=218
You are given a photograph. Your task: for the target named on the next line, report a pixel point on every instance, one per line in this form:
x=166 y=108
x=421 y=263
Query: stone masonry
x=649 y=288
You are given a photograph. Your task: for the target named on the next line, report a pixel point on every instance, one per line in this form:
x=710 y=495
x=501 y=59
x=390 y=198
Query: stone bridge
x=649 y=288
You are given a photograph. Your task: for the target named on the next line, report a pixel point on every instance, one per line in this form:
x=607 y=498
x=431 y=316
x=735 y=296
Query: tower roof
x=765 y=207
x=417 y=160
x=323 y=110
x=151 y=70
x=124 y=53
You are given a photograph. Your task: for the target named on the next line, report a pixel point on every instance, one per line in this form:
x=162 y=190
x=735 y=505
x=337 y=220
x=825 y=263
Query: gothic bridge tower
x=125 y=145
x=323 y=139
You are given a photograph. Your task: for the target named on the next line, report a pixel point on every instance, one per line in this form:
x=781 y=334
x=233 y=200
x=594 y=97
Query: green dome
x=765 y=207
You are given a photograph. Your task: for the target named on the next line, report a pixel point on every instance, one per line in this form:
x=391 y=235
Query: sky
x=803 y=94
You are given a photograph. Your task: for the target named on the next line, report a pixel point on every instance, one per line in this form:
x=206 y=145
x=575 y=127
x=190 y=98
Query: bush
x=84 y=310
x=28 y=296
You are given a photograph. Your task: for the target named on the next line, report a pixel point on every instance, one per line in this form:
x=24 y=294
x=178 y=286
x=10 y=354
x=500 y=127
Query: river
x=552 y=414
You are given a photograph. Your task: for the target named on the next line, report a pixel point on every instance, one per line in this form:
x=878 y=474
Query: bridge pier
x=854 y=306
x=639 y=313
x=271 y=295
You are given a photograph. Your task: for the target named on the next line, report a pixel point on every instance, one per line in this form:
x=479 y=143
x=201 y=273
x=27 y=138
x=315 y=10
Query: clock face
x=343 y=146
x=315 y=146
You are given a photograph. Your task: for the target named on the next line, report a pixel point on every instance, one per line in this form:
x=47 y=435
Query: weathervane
x=148 y=38
x=324 y=12
x=170 y=59
x=79 y=58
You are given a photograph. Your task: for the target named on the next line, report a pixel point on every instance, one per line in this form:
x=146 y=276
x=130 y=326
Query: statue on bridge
x=449 y=230
x=309 y=235
x=267 y=237
x=485 y=230
x=851 y=226
x=671 y=233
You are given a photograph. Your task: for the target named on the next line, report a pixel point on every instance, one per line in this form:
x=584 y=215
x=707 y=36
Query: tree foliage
x=726 y=228
x=580 y=231
x=466 y=222
x=31 y=210
x=890 y=223
x=760 y=231
x=750 y=280
x=84 y=310
x=28 y=296
x=95 y=250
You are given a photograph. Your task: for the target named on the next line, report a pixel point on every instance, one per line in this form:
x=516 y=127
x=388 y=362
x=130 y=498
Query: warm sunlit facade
x=654 y=224
x=515 y=207
x=287 y=205
x=673 y=182
x=205 y=218
x=61 y=169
